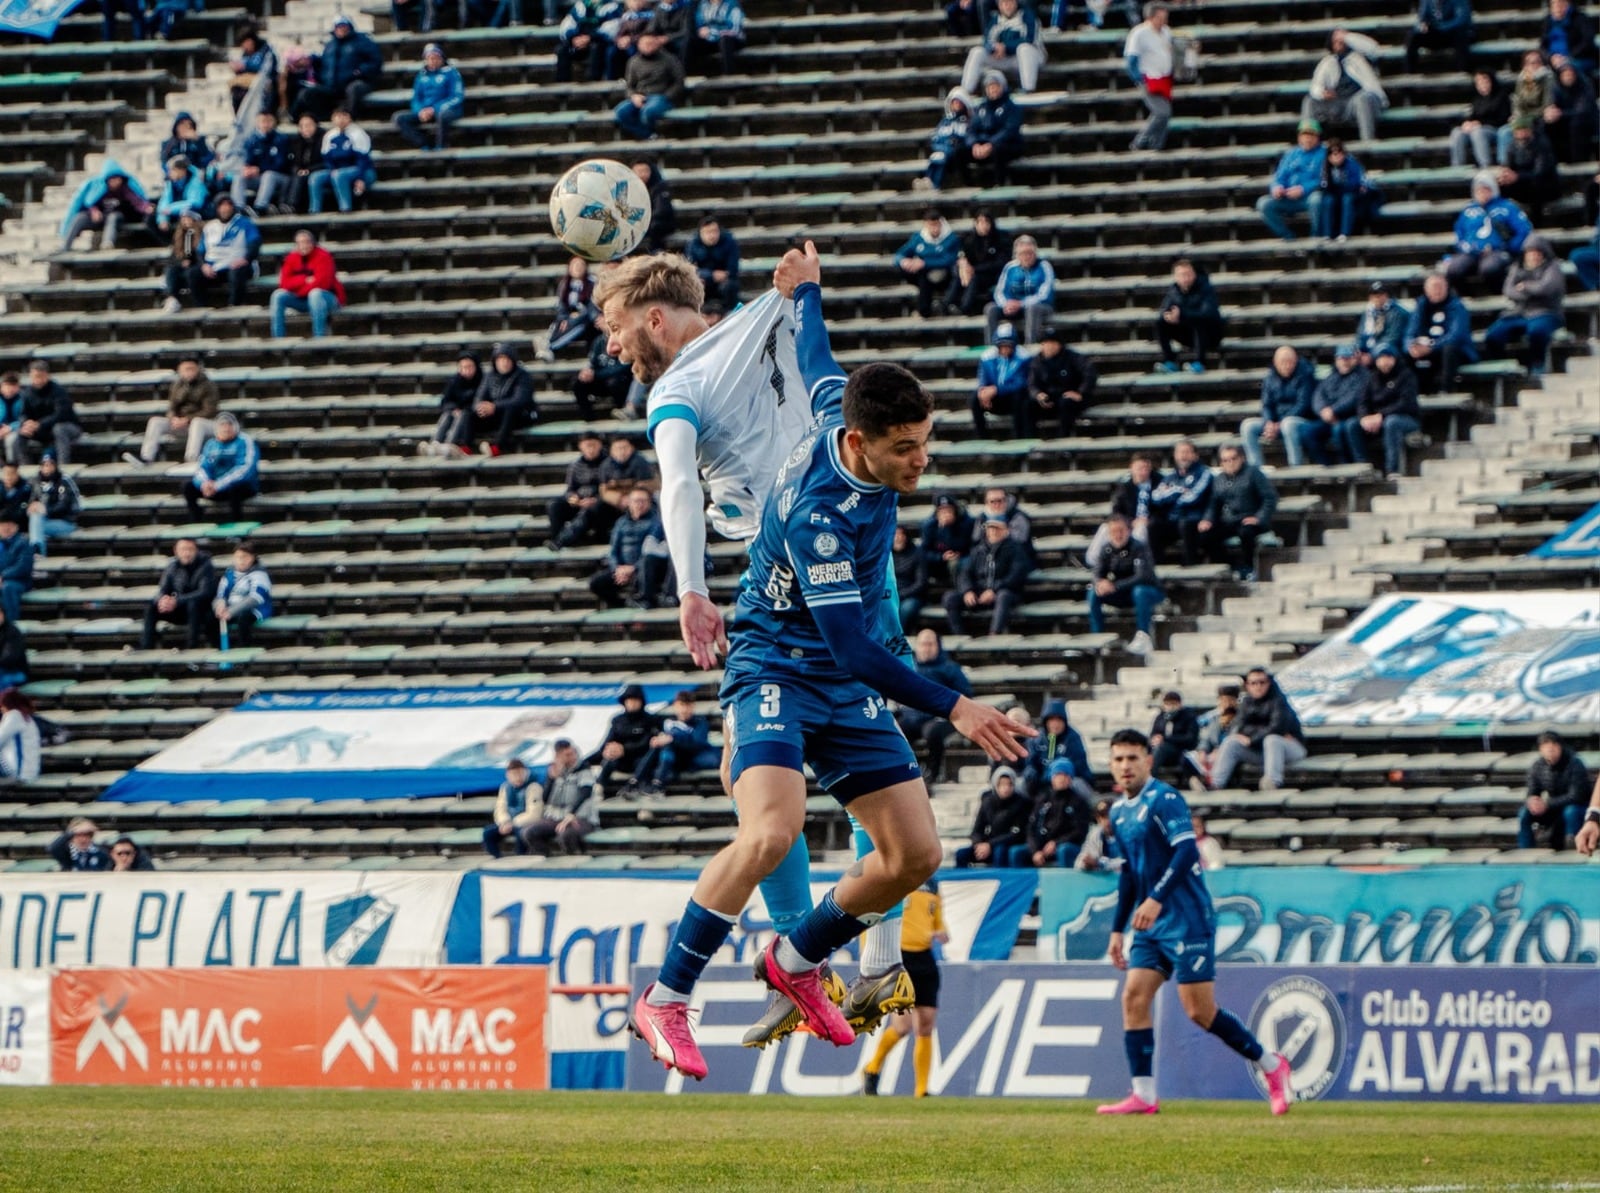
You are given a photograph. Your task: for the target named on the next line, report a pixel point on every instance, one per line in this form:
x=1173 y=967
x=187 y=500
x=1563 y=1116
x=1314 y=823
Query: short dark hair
x=1551 y=737
x=1334 y=145
x=1230 y=690
x=1258 y=671
x=880 y=396
x=684 y=697
x=38 y=363
x=248 y=548
x=10 y=379
x=932 y=216
x=1149 y=458
x=1166 y=696
x=707 y=220
x=1131 y=737
x=1119 y=520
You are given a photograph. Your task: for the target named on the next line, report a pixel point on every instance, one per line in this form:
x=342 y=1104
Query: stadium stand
x=389 y=568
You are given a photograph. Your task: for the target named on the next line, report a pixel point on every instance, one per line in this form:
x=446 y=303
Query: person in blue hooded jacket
x=1285 y=408
x=928 y=260
x=438 y=97
x=1296 y=182
x=102 y=204
x=1439 y=336
x=1344 y=192
x=183 y=196
x=947 y=147
x=269 y=158
x=994 y=135
x=1488 y=232
x=1057 y=739
x=1002 y=382
x=186 y=140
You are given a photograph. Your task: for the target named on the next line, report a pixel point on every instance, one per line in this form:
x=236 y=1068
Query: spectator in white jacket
x=1025 y=294
x=518 y=805
x=229 y=246
x=244 y=598
x=19 y=737
x=1345 y=87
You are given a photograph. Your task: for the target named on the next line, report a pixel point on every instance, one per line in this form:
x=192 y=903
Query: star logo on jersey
x=825 y=545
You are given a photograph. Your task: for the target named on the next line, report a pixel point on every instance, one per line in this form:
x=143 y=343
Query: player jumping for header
x=805 y=682
x=729 y=403
x=1161 y=891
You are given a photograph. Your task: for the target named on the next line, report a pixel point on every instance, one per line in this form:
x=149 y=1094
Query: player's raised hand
x=703 y=630
x=795 y=268
x=991 y=730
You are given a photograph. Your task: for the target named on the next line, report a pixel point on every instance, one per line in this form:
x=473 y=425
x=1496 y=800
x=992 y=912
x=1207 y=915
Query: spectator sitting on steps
x=455 y=404
x=1056 y=739
x=1058 y=822
x=1189 y=317
x=244 y=598
x=1266 y=733
x=1285 y=409
x=1345 y=87
x=994 y=136
x=928 y=261
x=1061 y=384
x=76 y=850
x=993 y=579
x=503 y=406
x=1000 y=825
x=13 y=654
x=1025 y=293
x=627 y=740
x=571 y=805
x=1125 y=577
x=1174 y=733
x=16 y=563
x=1242 y=504
x=684 y=743
x=183 y=597
x=931 y=662
x=48 y=420
x=1558 y=791
x=1013 y=45
x=516 y=807
x=228 y=472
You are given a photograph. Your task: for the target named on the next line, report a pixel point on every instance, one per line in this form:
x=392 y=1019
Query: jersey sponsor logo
x=780 y=583
x=830 y=573
x=822 y=519
x=874 y=706
x=825 y=544
x=849 y=503
x=1300 y=1018
x=771 y=727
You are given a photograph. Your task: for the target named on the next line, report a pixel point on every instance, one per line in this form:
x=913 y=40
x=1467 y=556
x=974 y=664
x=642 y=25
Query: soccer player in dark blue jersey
x=807 y=681
x=1162 y=894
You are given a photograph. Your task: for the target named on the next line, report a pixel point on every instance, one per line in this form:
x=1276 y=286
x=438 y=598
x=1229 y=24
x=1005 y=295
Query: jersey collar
x=834 y=458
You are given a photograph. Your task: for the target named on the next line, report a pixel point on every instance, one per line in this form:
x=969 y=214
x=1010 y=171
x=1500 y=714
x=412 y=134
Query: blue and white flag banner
x=1457 y=658
x=38 y=17
x=1580 y=540
x=1434 y=915
x=375 y=744
x=246 y=919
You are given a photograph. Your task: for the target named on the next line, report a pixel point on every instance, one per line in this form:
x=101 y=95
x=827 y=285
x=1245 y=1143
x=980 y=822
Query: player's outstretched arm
x=699 y=619
x=799 y=277
x=856 y=649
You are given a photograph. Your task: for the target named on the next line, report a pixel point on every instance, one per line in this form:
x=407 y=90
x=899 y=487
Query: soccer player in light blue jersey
x=807 y=681
x=1162 y=894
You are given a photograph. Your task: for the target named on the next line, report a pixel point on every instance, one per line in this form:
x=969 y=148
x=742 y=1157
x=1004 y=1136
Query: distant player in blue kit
x=806 y=681
x=1161 y=892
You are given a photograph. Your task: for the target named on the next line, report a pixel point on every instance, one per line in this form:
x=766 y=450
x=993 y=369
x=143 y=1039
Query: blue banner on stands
x=1052 y=1031
x=38 y=17
x=1362 y=1034
x=1580 y=540
x=375 y=744
x=1438 y=915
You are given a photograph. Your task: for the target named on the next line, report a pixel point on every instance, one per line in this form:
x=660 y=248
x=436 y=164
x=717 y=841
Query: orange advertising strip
x=452 y=1028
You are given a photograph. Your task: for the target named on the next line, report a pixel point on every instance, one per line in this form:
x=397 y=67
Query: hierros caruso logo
x=1301 y=1018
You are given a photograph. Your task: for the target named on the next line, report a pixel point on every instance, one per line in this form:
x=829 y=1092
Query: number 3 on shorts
x=771 y=698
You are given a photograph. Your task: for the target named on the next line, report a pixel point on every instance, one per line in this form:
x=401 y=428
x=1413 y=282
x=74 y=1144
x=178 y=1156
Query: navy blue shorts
x=1189 y=961
x=847 y=734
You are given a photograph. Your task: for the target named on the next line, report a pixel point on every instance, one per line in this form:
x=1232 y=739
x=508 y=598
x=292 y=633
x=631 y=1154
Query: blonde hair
x=666 y=279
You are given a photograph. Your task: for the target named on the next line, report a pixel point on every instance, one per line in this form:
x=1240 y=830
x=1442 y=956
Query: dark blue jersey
x=1148 y=829
x=823 y=547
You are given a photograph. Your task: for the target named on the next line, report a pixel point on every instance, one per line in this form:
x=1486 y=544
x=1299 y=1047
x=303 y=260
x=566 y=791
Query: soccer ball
x=600 y=210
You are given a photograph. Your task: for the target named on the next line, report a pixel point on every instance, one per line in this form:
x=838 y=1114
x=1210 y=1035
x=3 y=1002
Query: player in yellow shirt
x=921 y=929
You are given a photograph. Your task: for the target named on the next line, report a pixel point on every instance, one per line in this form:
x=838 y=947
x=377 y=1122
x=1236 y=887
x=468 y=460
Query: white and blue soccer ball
x=600 y=210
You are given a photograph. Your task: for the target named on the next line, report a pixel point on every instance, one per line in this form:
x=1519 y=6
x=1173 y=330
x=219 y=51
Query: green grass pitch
x=177 y=1140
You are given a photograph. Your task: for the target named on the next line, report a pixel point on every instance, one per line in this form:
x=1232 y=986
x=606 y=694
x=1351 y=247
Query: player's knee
x=1201 y=1013
x=764 y=846
x=917 y=862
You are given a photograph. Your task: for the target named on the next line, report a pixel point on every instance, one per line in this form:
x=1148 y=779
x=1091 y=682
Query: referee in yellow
x=922 y=927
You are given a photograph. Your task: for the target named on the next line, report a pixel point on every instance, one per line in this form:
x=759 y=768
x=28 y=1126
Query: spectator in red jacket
x=307 y=283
